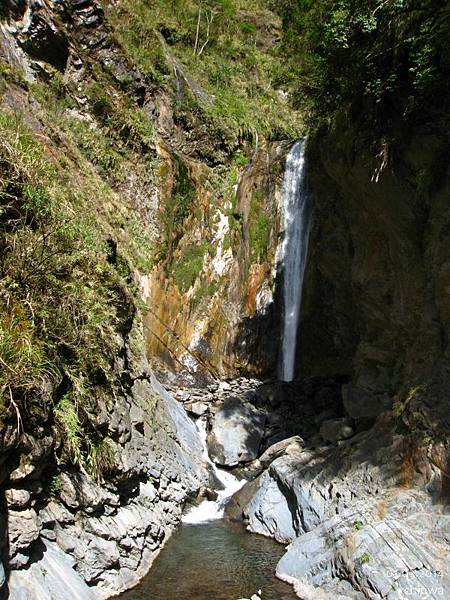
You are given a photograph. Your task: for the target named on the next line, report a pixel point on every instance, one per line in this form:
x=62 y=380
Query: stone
x=96 y=558
x=360 y=403
x=17 y=498
x=183 y=428
x=346 y=518
x=23 y=529
x=236 y=433
x=271 y=394
x=237 y=503
x=388 y=557
x=288 y=445
x=197 y=408
x=334 y=430
x=50 y=578
x=55 y=512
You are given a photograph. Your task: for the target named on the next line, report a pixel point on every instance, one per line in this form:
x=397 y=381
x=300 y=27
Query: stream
x=212 y=558
x=218 y=560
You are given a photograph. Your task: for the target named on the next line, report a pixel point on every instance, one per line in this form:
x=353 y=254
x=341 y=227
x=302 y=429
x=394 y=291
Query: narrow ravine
x=212 y=558
x=296 y=225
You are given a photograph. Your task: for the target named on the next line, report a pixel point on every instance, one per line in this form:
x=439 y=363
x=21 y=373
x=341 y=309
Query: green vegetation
x=174 y=211
x=188 y=266
x=206 y=289
x=60 y=294
x=56 y=485
x=364 y=558
x=100 y=459
x=226 y=47
x=66 y=415
x=385 y=59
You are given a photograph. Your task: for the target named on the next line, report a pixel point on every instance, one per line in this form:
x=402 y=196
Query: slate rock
x=236 y=433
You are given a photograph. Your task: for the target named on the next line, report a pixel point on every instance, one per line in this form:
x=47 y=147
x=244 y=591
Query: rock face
x=356 y=526
x=375 y=302
x=94 y=540
x=236 y=433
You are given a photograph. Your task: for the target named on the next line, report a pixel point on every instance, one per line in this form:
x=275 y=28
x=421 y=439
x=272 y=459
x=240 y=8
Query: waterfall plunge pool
x=217 y=560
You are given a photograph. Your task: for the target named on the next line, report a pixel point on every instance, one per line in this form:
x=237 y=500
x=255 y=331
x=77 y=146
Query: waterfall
x=296 y=225
x=210 y=510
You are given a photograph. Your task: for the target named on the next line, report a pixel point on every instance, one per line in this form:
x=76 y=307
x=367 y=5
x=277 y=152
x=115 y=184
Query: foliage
x=67 y=417
x=59 y=294
x=188 y=266
x=388 y=59
x=100 y=459
x=175 y=210
x=96 y=456
x=56 y=484
x=225 y=48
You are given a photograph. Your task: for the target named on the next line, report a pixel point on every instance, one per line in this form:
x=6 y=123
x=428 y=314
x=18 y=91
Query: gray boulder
x=334 y=430
x=23 y=529
x=51 y=577
x=289 y=446
x=17 y=498
x=236 y=434
x=354 y=531
x=360 y=403
x=387 y=559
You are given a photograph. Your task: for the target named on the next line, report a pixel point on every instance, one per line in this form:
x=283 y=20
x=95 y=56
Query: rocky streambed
x=362 y=512
x=345 y=505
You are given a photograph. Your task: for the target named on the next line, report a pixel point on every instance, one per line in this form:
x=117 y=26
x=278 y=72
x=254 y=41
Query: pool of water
x=214 y=561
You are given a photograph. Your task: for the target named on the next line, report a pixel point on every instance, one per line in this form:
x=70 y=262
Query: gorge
x=224 y=299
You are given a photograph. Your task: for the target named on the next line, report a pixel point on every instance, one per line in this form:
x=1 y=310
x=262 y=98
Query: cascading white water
x=210 y=510
x=296 y=225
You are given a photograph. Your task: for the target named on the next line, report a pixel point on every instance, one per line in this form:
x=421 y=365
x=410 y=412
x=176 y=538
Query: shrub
x=382 y=58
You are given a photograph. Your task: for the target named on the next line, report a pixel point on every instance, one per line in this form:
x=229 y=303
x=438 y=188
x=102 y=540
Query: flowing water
x=210 y=558
x=296 y=225
x=210 y=510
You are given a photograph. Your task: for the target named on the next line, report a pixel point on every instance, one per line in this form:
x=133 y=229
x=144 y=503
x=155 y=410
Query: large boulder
x=393 y=558
x=333 y=430
x=360 y=403
x=236 y=433
x=354 y=520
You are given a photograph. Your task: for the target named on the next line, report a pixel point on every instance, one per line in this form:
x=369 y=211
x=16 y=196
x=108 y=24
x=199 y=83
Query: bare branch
x=197 y=33
x=209 y=20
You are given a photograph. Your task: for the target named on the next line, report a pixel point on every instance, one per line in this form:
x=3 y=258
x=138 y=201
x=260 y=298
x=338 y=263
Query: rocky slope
x=140 y=169
x=120 y=215
x=364 y=515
